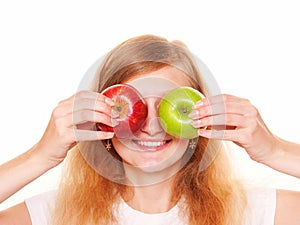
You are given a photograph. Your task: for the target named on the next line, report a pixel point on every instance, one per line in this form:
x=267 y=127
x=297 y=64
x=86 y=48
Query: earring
x=190 y=149
x=192 y=144
x=108 y=145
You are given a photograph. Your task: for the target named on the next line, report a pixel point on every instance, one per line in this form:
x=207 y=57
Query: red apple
x=130 y=108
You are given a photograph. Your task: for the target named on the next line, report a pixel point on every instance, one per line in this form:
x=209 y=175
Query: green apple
x=174 y=110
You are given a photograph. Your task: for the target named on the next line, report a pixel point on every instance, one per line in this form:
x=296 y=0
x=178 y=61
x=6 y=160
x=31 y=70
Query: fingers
x=81 y=111
x=86 y=116
x=232 y=120
x=218 y=99
x=227 y=117
x=221 y=104
x=88 y=135
x=227 y=135
x=85 y=100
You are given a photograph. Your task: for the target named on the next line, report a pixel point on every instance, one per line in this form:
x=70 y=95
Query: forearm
x=20 y=171
x=286 y=158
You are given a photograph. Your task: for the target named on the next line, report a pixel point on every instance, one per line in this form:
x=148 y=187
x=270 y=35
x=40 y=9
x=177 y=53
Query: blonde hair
x=212 y=195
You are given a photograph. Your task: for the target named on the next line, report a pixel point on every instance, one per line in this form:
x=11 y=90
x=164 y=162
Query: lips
x=151 y=145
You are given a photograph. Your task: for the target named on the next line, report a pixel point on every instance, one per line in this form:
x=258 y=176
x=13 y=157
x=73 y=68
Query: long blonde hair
x=212 y=195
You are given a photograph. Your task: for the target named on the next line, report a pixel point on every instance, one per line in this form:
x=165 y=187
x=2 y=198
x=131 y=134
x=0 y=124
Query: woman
x=151 y=177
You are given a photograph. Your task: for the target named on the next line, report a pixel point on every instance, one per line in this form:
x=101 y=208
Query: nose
x=152 y=125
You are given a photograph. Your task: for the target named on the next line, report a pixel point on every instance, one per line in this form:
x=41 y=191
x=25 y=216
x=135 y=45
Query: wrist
x=284 y=157
x=274 y=153
x=39 y=160
x=20 y=171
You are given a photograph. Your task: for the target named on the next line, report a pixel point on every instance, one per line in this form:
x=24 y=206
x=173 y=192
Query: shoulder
x=287 y=207
x=40 y=207
x=17 y=214
x=34 y=211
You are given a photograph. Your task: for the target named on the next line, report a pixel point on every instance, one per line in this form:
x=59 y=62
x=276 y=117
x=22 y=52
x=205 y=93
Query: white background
x=251 y=47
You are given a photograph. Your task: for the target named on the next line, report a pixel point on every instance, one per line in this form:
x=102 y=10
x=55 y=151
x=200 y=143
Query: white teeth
x=151 y=143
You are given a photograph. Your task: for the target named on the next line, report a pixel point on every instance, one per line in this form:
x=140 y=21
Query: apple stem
x=184 y=110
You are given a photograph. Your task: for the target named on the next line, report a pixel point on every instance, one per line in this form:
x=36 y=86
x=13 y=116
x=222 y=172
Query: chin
x=154 y=166
x=162 y=161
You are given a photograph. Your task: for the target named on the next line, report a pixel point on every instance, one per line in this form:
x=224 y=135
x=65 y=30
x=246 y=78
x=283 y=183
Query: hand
x=234 y=119
x=71 y=122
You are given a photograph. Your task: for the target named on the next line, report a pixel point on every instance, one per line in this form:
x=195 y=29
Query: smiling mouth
x=151 y=145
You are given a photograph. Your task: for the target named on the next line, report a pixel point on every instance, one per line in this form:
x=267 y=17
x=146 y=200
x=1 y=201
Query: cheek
x=121 y=148
x=127 y=151
x=179 y=148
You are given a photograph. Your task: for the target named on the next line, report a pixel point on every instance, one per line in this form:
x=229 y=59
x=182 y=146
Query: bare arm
x=285 y=158
x=18 y=172
x=69 y=123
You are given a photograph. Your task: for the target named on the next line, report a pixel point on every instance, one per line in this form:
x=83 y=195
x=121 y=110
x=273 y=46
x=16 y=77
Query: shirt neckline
x=173 y=210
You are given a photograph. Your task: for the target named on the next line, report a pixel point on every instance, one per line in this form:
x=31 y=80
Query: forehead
x=159 y=82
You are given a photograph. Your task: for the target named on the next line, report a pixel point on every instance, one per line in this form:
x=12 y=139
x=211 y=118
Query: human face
x=152 y=149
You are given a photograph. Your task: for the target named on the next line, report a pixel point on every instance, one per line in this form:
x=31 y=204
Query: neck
x=151 y=188
x=155 y=198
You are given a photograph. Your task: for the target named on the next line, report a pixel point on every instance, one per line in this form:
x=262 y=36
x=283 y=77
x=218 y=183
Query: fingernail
x=193 y=114
x=196 y=123
x=114 y=114
x=198 y=104
x=201 y=132
x=109 y=101
x=109 y=134
x=114 y=122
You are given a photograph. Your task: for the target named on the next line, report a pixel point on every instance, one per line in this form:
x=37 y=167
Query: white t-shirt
x=260 y=211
